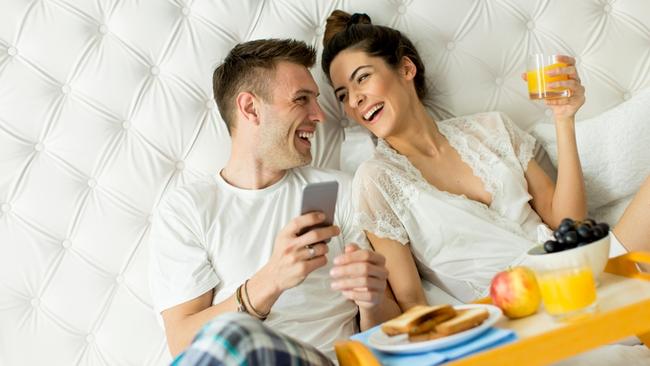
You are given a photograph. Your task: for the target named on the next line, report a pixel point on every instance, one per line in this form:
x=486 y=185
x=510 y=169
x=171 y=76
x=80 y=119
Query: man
x=232 y=243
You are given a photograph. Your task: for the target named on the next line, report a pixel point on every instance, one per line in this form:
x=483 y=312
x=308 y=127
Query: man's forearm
x=181 y=328
x=384 y=311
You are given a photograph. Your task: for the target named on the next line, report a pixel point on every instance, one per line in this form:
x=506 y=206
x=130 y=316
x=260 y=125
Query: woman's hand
x=361 y=276
x=567 y=107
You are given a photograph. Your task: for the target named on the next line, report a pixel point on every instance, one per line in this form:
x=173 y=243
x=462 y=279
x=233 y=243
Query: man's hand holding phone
x=300 y=247
x=295 y=256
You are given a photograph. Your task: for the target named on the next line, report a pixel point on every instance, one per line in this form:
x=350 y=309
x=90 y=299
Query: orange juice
x=567 y=290
x=537 y=81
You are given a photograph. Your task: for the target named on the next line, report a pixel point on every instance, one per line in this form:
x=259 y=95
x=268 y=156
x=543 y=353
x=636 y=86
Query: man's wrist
x=265 y=279
x=263 y=291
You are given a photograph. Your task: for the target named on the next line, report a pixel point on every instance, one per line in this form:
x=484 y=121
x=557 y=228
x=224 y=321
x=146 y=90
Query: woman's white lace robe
x=458 y=243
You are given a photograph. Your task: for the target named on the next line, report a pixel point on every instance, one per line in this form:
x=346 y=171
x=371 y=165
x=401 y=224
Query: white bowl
x=596 y=253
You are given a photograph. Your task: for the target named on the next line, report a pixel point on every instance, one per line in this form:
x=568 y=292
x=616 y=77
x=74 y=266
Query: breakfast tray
x=623 y=311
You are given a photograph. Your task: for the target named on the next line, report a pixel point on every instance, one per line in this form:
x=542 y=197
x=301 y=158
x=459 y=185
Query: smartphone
x=320 y=197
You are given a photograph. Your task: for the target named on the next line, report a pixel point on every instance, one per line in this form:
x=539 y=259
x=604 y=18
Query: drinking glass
x=568 y=287
x=537 y=66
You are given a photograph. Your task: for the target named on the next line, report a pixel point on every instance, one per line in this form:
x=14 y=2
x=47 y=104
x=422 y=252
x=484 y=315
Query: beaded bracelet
x=248 y=299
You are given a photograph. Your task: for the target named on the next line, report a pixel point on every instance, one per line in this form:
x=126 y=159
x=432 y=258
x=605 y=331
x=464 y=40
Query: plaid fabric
x=239 y=339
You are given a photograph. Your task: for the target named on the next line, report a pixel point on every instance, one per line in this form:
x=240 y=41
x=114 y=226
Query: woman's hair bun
x=359 y=18
x=340 y=20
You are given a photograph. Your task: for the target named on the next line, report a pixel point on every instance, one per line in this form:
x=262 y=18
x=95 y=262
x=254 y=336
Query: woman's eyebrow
x=354 y=73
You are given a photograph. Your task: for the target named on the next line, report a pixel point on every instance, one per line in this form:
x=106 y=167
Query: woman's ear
x=246 y=106
x=407 y=68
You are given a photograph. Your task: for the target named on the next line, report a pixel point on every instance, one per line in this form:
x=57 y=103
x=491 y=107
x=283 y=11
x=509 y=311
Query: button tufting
x=126 y=125
x=102 y=29
x=180 y=165
x=6 y=207
x=345 y=122
x=318 y=31
x=155 y=70
x=401 y=9
x=35 y=302
x=530 y=25
x=627 y=96
x=209 y=104
x=12 y=51
x=498 y=81
x=92 y=183
x=119 y=279
x=451 y=46
x=65 y=89
x=607 y=8
x=90 y=338
x=186 y=11
x=150 y=218
x=38 y=147
x=66 y=243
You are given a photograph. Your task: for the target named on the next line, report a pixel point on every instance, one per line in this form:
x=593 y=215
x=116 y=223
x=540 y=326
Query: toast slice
x=416 y=315
x=466 y=319
x=429 y=323
x=424 y=336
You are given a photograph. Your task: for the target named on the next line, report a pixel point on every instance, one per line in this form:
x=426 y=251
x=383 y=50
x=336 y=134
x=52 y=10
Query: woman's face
x=373 y=94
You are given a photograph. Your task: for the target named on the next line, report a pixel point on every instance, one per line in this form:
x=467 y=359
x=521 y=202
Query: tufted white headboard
x=106 y=104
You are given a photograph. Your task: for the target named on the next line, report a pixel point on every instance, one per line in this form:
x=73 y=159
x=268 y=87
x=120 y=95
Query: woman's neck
x=419 y=134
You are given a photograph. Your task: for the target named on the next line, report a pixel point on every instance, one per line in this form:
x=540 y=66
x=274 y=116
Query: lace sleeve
x=522 y=142
x=371 y=195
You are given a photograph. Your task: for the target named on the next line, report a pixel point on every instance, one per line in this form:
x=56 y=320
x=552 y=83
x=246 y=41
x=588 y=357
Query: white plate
x=401 y=344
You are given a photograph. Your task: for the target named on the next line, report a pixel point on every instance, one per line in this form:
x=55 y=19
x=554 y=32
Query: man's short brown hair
x=248 y=67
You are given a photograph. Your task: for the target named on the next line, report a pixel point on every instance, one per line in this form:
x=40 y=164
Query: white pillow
x=614 y=150
x=358 y=146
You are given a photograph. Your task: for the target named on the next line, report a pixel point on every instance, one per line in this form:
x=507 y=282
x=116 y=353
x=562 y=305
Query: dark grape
x=565 y=227
x=604 y=227
x=597 y=232
x=590 y=222
x=584 y=231
x=550 y=246
x=571 y=239
x=567 y=221
x=557 y=235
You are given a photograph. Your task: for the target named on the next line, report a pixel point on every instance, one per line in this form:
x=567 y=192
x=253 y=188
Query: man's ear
x=247 y=107
x=407 y=68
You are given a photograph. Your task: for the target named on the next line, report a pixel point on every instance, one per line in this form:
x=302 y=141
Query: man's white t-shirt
x=213 y=235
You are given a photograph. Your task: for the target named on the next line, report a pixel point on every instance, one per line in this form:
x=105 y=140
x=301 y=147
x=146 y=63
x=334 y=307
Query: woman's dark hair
x=356 y=31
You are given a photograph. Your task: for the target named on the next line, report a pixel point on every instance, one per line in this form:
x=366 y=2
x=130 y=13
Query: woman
x=461 y=199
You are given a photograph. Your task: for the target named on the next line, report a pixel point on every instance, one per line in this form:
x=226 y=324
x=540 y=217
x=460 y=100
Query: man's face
x=288 y=120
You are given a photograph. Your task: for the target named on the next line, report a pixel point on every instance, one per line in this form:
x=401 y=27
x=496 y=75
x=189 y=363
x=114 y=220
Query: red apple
x=516 y=292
